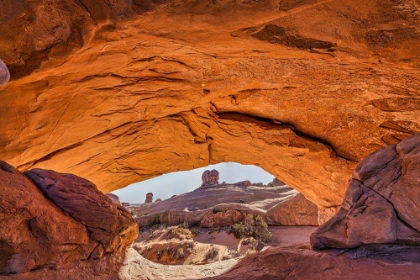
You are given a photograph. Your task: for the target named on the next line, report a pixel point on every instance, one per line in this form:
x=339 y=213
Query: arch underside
x=127 y=109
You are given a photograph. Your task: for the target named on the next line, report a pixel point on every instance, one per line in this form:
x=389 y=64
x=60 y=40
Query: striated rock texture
x=380 y=262
x=59 y=223
x=226 y=204
x=210 y=177
x=381 y=201
x=136 y=89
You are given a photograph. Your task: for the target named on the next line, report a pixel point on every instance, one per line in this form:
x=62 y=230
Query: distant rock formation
x=158 y=200
x=4 y=73
x=210 y=178
x=114 y=198
x=381 y=202
x=149 y=198
x=59 y=221
x=276 y=182
x=246 y=183
x=223 y=205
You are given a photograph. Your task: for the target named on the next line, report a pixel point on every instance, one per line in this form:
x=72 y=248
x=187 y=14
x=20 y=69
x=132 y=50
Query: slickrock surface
x=379 y=262
x=225 y=204
x=124 y=91
x=381 y=201
x=59 y=226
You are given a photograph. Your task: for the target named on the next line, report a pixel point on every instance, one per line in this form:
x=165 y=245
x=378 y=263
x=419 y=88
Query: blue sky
x=169 y=184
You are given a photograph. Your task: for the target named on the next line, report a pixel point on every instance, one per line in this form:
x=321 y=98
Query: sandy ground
x=230 y=251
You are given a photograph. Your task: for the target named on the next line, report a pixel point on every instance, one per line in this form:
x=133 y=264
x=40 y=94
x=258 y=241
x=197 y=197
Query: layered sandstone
x=381 y=201
x=376 y=225
x=380 y=262
x=53 y=223
x=191 y=83
x=225 y=204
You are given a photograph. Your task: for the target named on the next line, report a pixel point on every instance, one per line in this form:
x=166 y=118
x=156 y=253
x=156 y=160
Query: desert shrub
x=212 y=253
x=155 y=226
x=261 y=231
x=216 y=210
x=251 y=251
x=252 y=226
x=238 y=230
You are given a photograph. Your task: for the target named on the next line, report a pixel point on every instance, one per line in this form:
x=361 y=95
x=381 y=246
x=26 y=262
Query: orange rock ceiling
x=121 y=92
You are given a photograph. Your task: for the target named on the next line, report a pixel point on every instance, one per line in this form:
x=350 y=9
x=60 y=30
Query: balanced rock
x=60 y=222
x=210 y=178
x=149 y=198
x=381 y=202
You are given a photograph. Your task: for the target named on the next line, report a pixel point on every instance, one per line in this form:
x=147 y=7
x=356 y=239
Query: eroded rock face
x=381 y=201
x=378 y=261
x=61 y=222
x=302 y=97
x=226 y=204
x=210 y=177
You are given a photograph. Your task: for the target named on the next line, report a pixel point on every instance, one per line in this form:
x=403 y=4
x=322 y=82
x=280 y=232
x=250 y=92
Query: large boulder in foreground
x=382 y=262
x=59 y=222
x=381 y=202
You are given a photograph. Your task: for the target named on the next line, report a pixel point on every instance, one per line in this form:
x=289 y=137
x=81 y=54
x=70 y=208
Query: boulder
x=377 y=262
x=59 y=221
x=381 y=202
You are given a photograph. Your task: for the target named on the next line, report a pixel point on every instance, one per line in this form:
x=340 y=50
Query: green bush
x=238 y=230
x=252 y=226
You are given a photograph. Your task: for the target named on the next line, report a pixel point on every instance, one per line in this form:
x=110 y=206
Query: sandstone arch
x=130 y=105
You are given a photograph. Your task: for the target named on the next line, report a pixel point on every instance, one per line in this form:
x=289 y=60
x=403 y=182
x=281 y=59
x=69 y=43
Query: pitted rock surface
x=107 y=223
x=57 y=228
x=381 y=201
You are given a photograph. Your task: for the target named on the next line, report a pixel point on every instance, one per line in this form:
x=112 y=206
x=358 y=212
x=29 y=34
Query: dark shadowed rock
x=34 y=232
x=381 y=202
x=382 y=262
x=67 y=225
x=115 y=199
x=107 y=223
x=69 y=229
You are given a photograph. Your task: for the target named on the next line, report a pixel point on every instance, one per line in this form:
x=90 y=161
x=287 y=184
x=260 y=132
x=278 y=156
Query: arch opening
x=176 y=183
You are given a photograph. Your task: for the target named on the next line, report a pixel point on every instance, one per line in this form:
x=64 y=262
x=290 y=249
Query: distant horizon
x=175 y=183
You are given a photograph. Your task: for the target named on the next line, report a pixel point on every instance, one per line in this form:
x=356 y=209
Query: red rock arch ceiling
x=176 y=88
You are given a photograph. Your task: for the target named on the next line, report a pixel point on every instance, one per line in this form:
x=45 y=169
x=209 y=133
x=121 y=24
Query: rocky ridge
x=220 y=205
